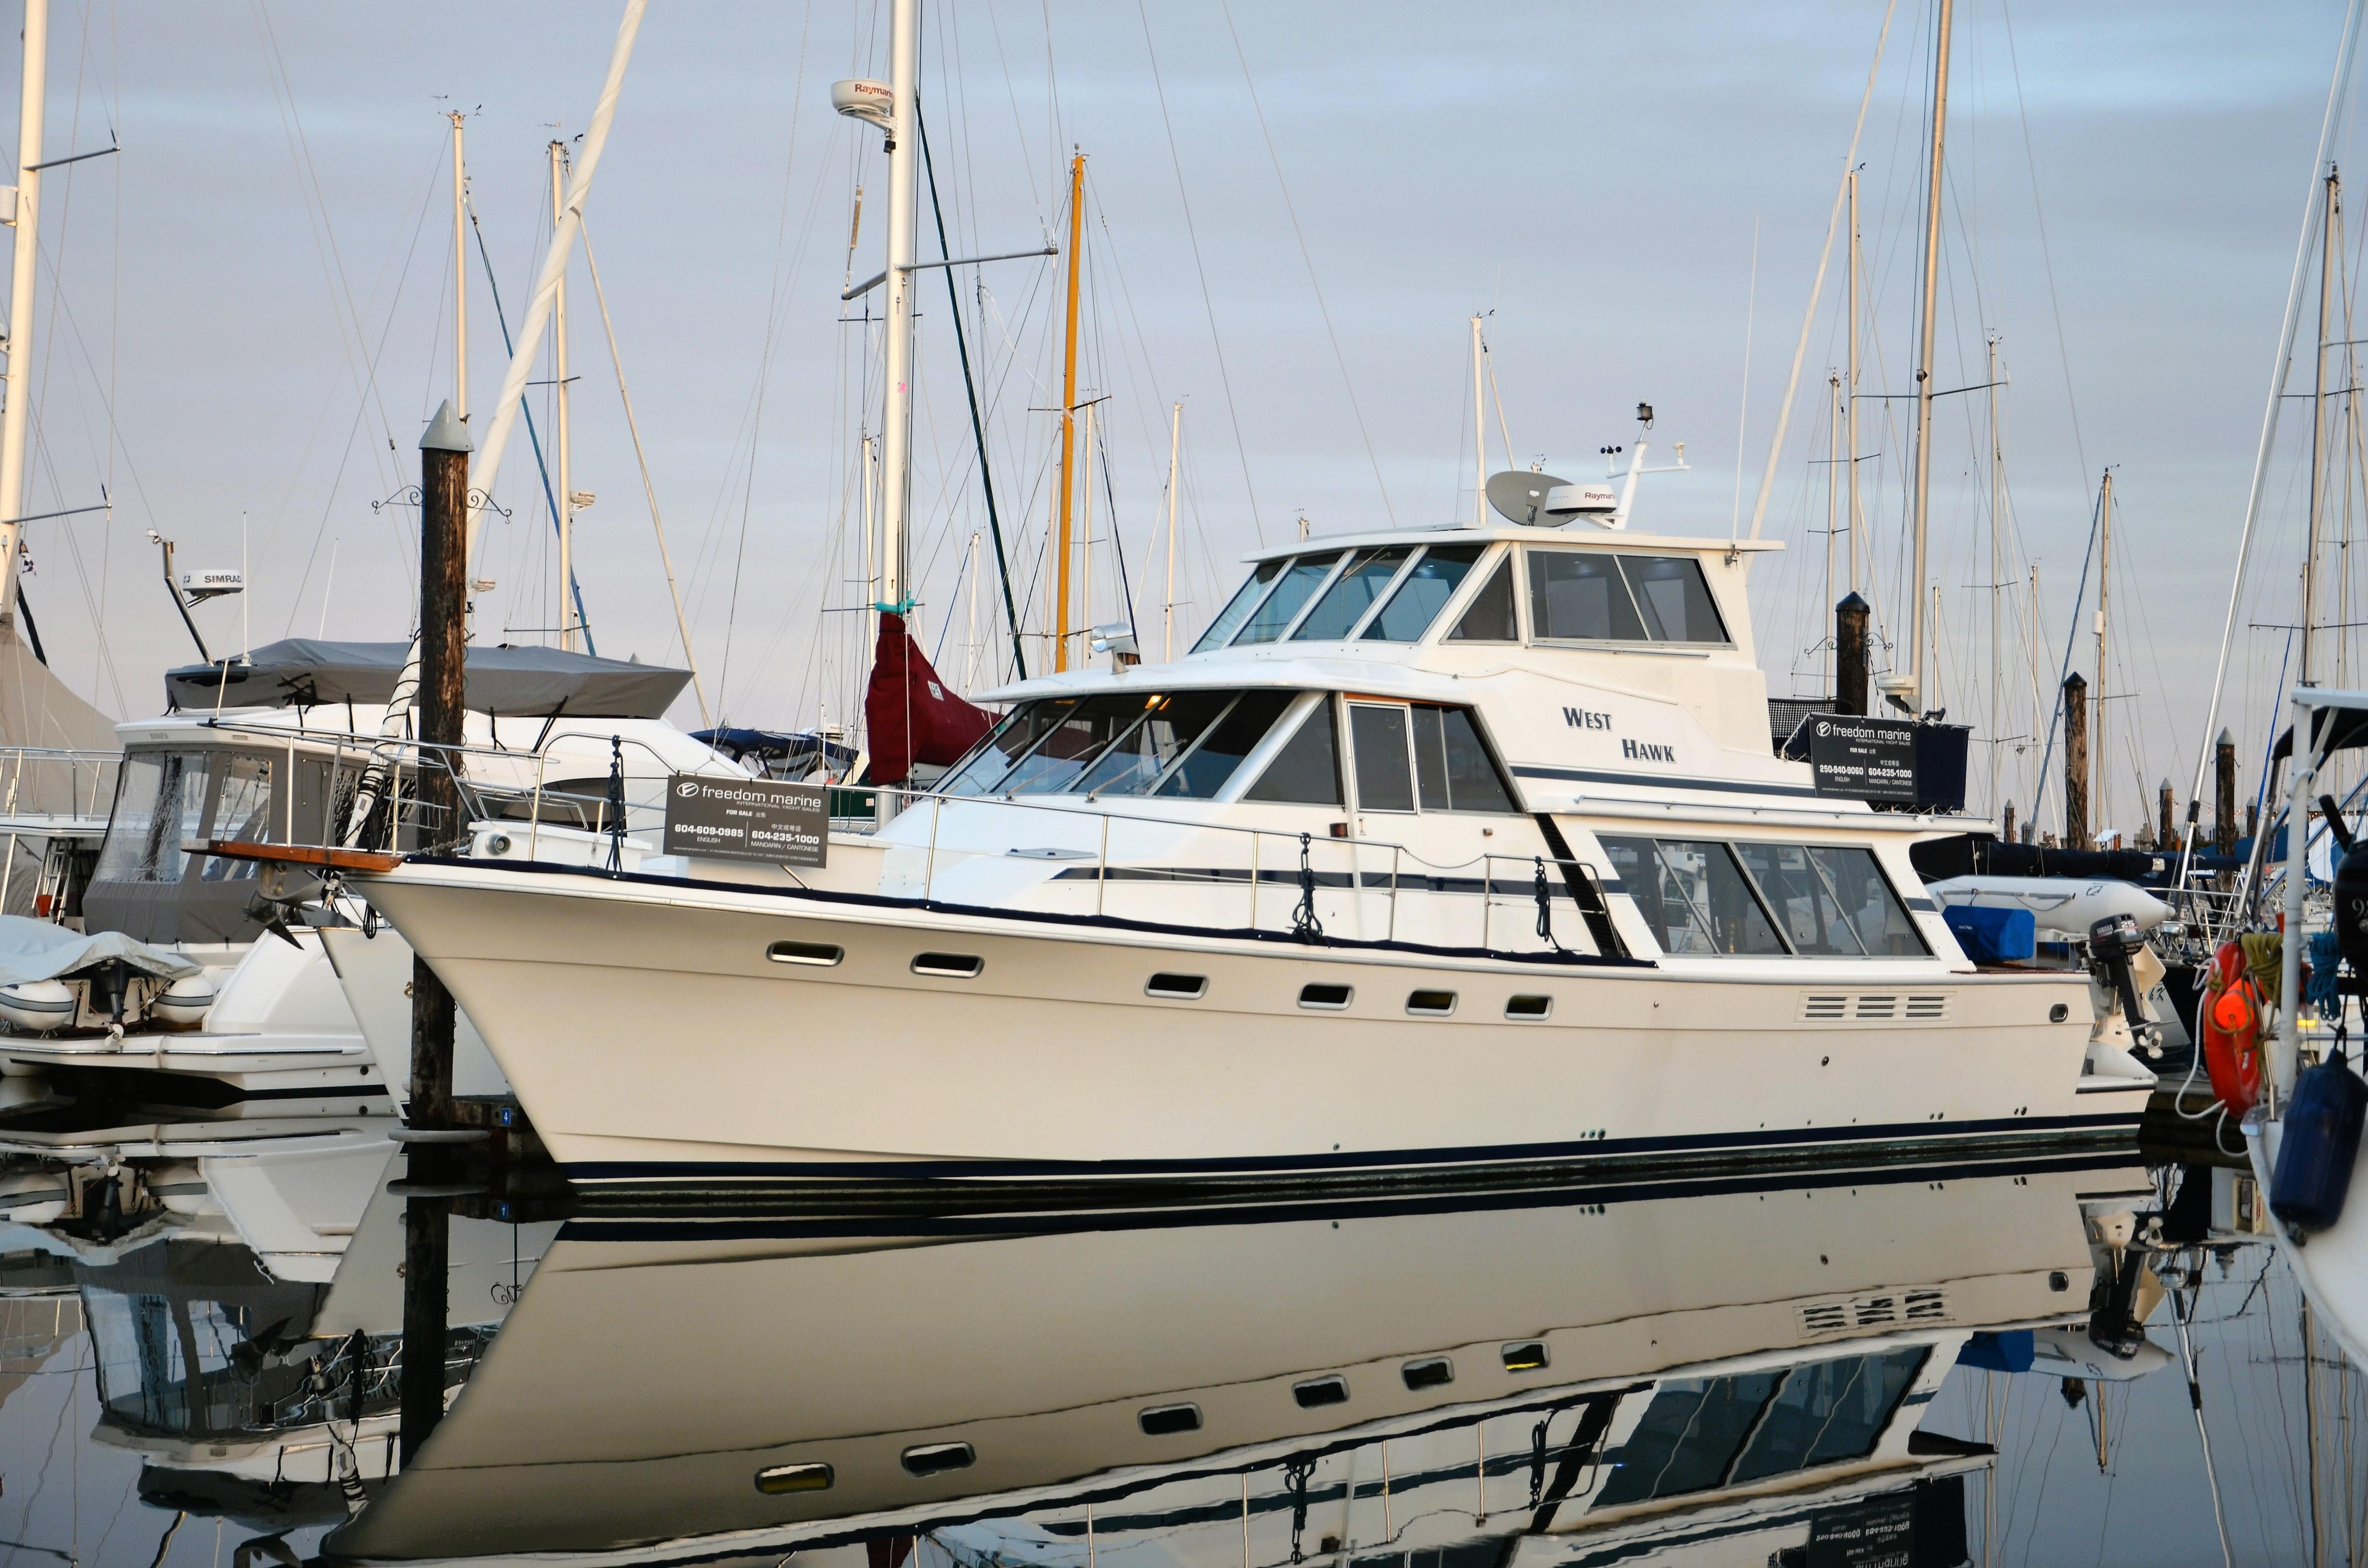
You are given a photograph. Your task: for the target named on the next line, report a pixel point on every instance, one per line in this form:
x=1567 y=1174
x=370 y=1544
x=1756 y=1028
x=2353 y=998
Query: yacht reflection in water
x=1727 y=1375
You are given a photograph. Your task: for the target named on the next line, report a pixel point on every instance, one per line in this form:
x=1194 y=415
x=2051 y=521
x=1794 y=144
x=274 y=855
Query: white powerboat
x=270 y=749
x=1760 y=1359
x=1444 y=847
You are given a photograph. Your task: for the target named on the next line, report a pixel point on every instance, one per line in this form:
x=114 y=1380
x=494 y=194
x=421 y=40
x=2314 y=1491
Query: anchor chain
x=616 y=805
x=1303 y=923
x=1545 y=910
x=1295 y=1475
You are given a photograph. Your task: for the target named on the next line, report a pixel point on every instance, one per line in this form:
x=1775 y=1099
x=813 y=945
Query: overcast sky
x=1292 y=212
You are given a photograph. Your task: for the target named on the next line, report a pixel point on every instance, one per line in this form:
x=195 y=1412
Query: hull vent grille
x=1874 y=1313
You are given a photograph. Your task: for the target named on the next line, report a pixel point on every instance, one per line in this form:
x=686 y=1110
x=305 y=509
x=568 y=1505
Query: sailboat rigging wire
x=1816 y=289
x=549 y=497
x=1306 y=258
x=487 y=465
x=657 y=524
x=2047 y=753
x=969 y=392
x=1192 y=233
x=2337 y=90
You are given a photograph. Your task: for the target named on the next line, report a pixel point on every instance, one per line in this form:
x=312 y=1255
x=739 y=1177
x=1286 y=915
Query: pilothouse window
x=1275 y=615
x=1237 y=608
x=1423 y=594
x=1345 y=603
x=1593 y=597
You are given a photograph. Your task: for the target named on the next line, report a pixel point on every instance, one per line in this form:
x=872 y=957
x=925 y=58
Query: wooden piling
x=443 y=610
x=2076 y=762
x=1850 y=618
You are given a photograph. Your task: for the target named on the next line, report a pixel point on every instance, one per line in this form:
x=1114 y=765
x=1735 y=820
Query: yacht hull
x=652 y=1040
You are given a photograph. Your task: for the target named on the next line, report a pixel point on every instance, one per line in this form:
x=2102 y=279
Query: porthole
x=1526 y=1356
x=1164 y=1420
x=1178 y=987
x=1436 y=1372
x=784 y=1478
x=1529 y=1007
x=1329 y=998
x=1430 y=1003
x=952 y=966
x=822 y=954
x=2058 y=1012
x=935 y=1458
x=1318 y=1392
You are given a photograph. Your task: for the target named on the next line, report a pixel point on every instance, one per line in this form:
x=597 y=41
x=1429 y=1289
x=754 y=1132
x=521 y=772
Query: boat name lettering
x=1586 y=719
x=1649 y=750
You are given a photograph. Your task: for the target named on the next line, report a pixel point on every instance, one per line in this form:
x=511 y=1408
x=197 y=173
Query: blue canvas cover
x=1992 y=936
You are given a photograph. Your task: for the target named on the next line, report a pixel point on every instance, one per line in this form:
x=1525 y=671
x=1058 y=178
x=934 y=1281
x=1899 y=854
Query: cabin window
x=1453 y=765
x=1281 y=607
x=1306 y=771
x=1594 y=597
x=1701 y=1433
x=1170 y=723
x=1423 y=593
x=1674 y=599
x=1578 y=597
x=242 y=813
x=1006 y=744
x=1827 y=1413
x=1336 y=614
x=1694 y=896
x=952 y=966
x=1877 y=918
x=1179 y=987
x=1237 y=608
x=1430 y=1003
x=1071 y=744
x=1384 y=779
x=1814 y=899
x=1207 y=767
x=1490 y=618
x=787 y=1477
x=1165 y=1420
x=159 y=801
x=933 y=1458
x=1331 y=998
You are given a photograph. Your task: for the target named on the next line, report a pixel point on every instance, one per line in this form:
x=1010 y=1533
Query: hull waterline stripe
x=1773 y=1138
x=619 y=1217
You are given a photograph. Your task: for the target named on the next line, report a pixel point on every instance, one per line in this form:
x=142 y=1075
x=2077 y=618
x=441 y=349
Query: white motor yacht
x=268 y=748
x=1443 y=848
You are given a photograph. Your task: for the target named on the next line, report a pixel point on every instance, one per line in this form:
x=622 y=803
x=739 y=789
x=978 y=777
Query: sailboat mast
x=1479 y=437
x=566 y=499
x=13 y=425
x=2104 y=769
x=1069 y=417
x=1086 y=528
x=2331 y=191
x=1925 y=346
x=904 y=216
x=1833 y=488
x=459 y=273
x=1997 y=558
x=1850 y=437
x=1175 y=444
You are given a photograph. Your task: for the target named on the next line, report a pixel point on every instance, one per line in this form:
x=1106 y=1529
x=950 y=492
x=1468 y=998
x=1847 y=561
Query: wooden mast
x=1068 y=419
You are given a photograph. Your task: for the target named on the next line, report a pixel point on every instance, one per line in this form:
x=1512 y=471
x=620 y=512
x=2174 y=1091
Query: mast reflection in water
x=1804 y=1375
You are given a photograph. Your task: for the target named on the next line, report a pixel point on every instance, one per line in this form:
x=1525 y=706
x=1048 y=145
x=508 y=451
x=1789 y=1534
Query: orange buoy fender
x=2232 y=1021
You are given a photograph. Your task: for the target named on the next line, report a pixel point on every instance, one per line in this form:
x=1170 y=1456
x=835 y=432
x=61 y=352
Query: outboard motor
x=2113 y=941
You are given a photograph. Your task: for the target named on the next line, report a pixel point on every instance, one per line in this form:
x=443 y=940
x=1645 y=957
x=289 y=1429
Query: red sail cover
x=907 y=711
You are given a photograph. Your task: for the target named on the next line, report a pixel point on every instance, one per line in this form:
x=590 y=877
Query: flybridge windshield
x=1390 y=594
x=1182 y=746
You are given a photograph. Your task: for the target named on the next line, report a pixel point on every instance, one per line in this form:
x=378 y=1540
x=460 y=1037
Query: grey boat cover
x=38 y=949
x=502 y=681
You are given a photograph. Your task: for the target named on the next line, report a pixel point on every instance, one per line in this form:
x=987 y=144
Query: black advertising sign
x=1868 y=759
x=1877 y=1533
x=747 y=819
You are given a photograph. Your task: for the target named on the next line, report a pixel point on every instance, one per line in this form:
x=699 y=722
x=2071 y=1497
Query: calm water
x=1886 y=1369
